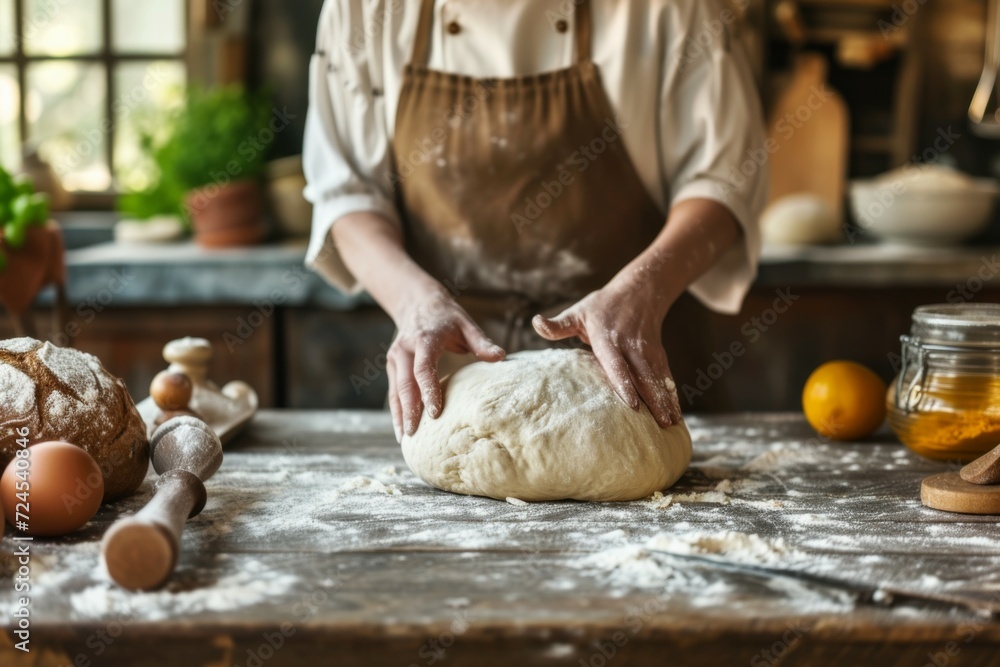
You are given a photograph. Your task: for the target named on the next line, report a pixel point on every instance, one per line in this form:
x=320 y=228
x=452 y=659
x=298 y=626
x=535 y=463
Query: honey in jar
x=945 y=402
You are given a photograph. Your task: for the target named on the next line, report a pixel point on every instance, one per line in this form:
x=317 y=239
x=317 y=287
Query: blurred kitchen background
x=869 y=101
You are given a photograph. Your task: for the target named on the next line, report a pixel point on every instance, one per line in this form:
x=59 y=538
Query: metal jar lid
x=942 y=331
x=975 y=325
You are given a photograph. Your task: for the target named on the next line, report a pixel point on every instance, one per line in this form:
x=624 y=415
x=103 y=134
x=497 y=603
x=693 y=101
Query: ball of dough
x=57 y=393
x=800 y=219
x=544 y=425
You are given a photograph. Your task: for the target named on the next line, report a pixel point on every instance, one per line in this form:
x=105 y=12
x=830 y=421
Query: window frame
x=110 y=59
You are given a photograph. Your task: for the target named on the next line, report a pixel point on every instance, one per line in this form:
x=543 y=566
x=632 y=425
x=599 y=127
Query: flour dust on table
x=544 y=425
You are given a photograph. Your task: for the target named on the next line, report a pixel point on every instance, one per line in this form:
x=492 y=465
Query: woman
x=501 y=175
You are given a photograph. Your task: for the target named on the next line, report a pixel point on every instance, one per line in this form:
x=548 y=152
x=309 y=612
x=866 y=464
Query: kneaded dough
x=544 y=425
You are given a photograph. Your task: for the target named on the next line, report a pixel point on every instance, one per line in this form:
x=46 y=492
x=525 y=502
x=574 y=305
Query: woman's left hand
x=622 y=323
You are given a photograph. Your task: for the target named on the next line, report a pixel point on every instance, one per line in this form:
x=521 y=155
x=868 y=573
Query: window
x=90 y=71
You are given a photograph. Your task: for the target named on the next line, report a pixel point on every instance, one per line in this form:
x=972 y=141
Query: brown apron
x=517 y=194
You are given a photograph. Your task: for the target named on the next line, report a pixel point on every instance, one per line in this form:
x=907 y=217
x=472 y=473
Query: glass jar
x=945 y=402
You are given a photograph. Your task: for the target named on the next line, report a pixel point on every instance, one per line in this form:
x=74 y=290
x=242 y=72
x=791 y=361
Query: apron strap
x=422 y=43
x=583 y=30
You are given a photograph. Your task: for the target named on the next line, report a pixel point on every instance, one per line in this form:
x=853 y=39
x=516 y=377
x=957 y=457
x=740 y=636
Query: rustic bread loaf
x=64 y=394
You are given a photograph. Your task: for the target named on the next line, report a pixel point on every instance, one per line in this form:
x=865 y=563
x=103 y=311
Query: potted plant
x=155 y=214
x=210 y=160
x=31 y=248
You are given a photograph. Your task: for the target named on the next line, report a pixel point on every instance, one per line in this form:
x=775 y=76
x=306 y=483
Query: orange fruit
x=844 y=400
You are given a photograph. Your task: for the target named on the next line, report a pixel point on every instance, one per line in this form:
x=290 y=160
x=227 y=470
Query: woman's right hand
x=429 y=322
x=427 y=327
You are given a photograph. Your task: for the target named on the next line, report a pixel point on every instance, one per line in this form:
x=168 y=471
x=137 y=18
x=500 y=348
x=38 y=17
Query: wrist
x=647 y=280
x=420 y=293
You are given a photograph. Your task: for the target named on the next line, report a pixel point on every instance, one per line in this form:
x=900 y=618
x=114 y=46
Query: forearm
x=697 y=234
x=372 y=248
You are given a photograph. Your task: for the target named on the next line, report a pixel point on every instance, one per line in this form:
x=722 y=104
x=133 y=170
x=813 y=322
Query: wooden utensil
x=225 y=410
x=809 y=125
x=973 y=490
x=140 y=552
x=949 y=492
x=984 y=470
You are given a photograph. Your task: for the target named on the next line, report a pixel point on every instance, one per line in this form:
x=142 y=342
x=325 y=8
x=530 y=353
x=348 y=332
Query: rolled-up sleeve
x=712 y=128
x=346 y=156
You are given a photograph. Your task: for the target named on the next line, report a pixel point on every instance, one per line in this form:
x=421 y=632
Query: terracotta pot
x=227 y=215
x=36 y=264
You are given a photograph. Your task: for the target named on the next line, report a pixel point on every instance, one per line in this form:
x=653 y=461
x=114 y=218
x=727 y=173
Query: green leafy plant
x=220 y=134
x=217 y=136
x=20 y=209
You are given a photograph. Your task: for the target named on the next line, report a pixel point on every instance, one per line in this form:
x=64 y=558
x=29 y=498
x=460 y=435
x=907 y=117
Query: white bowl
x=913 y=212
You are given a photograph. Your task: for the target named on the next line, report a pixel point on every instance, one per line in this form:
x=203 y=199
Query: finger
x=425 y=370
x=560 y=327
x=673 y=399
x=652 y=389
x=479 y=343
x=395 y=408
x=617 y=370
x=409 y=393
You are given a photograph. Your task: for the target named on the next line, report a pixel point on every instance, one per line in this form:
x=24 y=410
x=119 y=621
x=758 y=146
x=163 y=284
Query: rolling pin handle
x=140 y=552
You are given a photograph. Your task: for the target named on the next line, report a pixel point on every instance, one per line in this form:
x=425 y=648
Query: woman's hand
x=429 y=326
x=428 y=320
x=622 y=323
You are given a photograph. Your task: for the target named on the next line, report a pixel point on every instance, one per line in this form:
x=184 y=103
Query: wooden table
x=318 y=547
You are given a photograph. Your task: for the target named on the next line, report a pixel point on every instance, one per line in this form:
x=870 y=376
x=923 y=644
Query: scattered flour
x=706 y=497
x=721 y=494
x=735 y=546
x=783 y=457
x=660 y=501
x=252 y=584
x=367 y=485
x=633 y=566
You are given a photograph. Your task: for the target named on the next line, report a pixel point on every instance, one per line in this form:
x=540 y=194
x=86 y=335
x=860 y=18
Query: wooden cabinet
x=781 y=335
x=336 y=358
x=308 y=358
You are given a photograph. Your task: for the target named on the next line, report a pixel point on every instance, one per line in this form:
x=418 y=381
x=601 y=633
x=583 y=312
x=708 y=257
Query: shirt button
x=454 y=28
x=562 y=25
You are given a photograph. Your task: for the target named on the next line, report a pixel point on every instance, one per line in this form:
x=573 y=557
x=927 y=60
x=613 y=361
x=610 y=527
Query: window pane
x=10 y=142
x=143 y=91
x=65 y=109
x=62 y=28
x=7 y=36
x=149 y=26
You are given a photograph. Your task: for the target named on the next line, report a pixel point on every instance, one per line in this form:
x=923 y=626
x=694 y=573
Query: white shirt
x=684 y=96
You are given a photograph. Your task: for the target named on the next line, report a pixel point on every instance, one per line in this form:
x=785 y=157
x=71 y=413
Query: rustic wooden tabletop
x=318 y=546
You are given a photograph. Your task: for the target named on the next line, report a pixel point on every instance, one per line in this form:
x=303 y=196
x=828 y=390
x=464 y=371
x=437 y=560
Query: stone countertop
x=185 y=274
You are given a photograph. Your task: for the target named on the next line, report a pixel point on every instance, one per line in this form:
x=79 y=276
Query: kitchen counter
x=185 y=274
x=318 y=542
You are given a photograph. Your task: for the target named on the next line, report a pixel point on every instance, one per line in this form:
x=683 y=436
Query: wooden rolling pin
x=140 y=551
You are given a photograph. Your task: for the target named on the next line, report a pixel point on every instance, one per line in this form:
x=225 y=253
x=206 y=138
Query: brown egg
x=54 y=490
x=171 y=391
